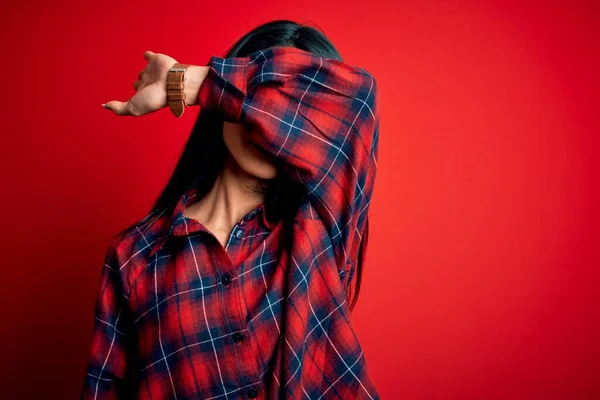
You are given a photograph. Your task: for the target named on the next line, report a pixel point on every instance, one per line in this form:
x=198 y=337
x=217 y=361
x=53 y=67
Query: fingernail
x=104 y=105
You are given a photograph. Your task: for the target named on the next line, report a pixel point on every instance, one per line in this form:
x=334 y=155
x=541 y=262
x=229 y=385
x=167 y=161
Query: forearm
x=194 y=76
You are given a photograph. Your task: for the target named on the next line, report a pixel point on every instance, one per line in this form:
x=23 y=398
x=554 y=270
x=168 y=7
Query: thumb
x=118 y=107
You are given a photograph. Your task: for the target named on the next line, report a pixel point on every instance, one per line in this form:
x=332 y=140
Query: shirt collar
x=175 y=224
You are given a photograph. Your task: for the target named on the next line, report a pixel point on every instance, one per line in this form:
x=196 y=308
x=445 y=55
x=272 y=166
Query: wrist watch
x=175 y=84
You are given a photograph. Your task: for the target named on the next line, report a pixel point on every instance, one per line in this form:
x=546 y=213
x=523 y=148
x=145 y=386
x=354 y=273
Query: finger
x=137 y=84
x=118 y=107
x=148 y=55
x=141 y=73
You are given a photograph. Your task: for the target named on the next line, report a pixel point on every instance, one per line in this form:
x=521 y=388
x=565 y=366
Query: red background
x=482 y=272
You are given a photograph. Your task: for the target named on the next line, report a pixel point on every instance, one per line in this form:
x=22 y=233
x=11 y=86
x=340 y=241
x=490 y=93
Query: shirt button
x=238 y=337
x=226 y=279
x=252 y=392
x=239 y=234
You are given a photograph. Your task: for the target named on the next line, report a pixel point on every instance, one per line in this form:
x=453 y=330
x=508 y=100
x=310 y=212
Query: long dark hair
x=205 y=151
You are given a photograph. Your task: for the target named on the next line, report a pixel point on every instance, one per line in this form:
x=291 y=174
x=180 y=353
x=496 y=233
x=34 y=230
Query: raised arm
x=107 y=361
x=317 y=116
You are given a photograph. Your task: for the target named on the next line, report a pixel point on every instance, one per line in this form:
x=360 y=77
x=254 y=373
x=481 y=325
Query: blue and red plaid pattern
x=179 y=316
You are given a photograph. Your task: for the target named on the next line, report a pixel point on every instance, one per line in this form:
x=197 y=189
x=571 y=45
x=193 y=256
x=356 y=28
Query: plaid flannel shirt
x=179 y=316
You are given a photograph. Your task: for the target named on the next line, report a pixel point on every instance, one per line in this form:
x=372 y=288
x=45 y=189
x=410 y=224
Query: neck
x=234 y=194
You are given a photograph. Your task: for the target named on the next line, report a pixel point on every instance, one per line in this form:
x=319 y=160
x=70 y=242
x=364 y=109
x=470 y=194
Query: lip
x=260 y=149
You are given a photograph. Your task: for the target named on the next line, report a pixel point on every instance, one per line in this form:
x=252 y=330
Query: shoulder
x=128 y=250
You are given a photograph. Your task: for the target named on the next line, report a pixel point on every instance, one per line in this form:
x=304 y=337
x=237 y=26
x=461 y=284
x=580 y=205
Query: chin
x=252 y=162
x=247 y=155
x=258 y=169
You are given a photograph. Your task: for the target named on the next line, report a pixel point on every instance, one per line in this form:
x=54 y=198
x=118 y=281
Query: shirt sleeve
x=318 y=117
x=107 y=361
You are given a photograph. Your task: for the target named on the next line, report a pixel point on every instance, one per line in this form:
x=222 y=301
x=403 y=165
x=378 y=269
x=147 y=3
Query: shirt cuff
x=224 y=87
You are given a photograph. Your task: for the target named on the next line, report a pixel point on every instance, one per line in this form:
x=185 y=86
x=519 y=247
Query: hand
x=151 y=88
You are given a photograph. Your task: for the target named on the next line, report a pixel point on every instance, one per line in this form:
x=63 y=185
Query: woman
x=238 y=282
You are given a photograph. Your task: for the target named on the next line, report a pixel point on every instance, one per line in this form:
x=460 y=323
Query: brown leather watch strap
x=175 y=85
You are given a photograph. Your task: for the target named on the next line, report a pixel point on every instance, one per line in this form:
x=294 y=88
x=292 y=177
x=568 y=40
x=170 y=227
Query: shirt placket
x=233 y=313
